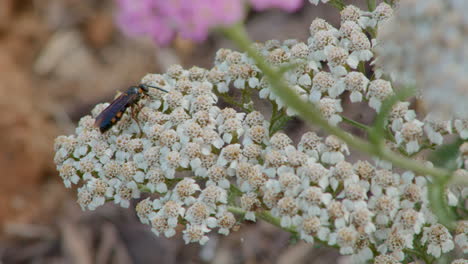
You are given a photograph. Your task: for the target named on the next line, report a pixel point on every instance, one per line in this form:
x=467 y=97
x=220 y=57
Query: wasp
x=112 y=114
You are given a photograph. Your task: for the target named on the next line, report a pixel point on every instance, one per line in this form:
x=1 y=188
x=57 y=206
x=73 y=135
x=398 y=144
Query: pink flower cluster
x=191 y=19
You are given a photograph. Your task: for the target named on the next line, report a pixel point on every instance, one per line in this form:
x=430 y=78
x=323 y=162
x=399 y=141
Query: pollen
x=217 y=173
x=258 y=133
x=197 y=213
x=311 y=225
x=319 y=24
x=226 y=220
x=287 y=206
x=323 y=81
x=280 y=141
x=350 y=13
x=232 y=152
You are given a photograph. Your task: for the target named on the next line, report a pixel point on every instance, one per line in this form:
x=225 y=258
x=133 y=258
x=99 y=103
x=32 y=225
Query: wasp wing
x=105 y=119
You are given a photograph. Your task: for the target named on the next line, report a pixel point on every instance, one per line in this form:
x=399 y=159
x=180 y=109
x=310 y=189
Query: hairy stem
x=268 y=217
x=337 y=3
x=230 y=100
x=418 y=254
x=355 y=123
x=371 y=5
x=265 y=216
x=274 y=113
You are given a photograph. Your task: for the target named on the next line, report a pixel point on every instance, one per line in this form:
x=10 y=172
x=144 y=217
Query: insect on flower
x=112 y=114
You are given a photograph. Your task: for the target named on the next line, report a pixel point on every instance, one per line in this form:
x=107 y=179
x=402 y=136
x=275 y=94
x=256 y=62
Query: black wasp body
x=113 y=113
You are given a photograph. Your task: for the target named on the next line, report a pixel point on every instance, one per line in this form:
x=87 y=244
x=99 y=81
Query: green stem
x=276 y=119
x=377 y=133
x=228 y=99
x=418 y=254
x=246 y=99
x=338 y=4
x=437 y=199
x=274 y=112
x=371 y=5
x=355 y=123
x=362 y=67
x=265 y=216
x=143 y=188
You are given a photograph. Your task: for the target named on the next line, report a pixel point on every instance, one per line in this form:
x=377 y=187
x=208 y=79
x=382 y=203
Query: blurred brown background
x=58 y=58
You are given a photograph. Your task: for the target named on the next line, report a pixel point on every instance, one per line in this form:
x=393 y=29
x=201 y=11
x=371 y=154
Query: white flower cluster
x=426 y=43
x=327 y=68
x=201 y=161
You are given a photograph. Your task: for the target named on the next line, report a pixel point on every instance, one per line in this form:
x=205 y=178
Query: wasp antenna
x=159 y=88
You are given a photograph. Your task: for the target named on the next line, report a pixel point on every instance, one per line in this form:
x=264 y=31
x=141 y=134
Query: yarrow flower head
x=207 y=167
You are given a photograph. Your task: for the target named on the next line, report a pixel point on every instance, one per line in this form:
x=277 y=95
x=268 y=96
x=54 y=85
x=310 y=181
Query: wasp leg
x=134 y=116
x=145 y=116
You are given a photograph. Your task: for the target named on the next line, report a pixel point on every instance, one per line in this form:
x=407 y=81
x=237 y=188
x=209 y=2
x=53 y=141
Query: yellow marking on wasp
x=119 y=115
x=119 y=93
x=140 y=90
x=113 y=120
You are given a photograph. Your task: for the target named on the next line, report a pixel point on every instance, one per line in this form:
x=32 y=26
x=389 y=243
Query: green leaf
x=446 y=155
x=279 y=124
x=234 y=193
x=438 y=202
x=377 y=133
